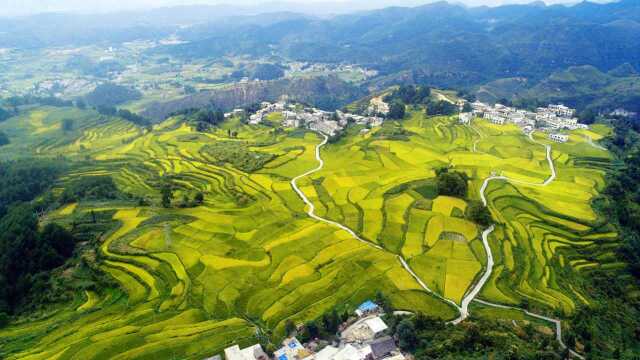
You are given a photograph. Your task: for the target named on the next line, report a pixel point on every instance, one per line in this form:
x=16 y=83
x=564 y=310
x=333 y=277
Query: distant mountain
x=441 y=43
x=324 y=92
x=580 y=86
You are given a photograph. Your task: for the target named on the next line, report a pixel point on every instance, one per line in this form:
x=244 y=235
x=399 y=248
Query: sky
x=23 y=7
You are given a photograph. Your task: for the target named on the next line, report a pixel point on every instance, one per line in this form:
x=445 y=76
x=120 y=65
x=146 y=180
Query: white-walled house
x=561 y=138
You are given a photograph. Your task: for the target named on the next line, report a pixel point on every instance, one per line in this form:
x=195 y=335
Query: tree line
x=417 y=96
x=27 y=252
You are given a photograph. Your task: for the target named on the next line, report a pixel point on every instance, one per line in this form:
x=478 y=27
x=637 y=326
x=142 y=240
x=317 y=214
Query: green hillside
x=182 y=277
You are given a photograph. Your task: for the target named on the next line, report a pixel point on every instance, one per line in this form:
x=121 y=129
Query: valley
x=197 y=279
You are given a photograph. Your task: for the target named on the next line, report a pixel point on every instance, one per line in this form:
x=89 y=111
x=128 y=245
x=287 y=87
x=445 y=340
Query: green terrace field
x=193 y=280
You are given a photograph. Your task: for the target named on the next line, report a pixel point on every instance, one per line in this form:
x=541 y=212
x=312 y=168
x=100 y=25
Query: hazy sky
x=19 y=7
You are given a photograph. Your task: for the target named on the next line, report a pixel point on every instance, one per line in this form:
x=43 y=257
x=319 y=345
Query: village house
x=495 y=117
x=384 y=348
x=561 y=110
x=479 y=108
x=326 y=122
x=364 y=330
x=377 y=106
x=292 y=349
x=367 y=307
x=561 y=138
x=254 y=352
x=464 y=118
x=326 y=127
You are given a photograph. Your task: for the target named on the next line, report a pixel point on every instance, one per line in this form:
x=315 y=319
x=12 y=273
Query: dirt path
x=463 y=309
x=312 y=214
x=471 y=296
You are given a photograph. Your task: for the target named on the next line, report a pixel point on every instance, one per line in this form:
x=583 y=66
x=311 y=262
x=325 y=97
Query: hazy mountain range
x=440 y=44
x=246 y=7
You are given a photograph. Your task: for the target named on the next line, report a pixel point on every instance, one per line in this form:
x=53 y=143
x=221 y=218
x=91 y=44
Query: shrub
x=452 y=183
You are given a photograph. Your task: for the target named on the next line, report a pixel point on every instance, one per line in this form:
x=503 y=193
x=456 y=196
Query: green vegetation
x=451 y=183
x=479 y=214
x=4 y=139
x=441 y=107
x=214 y=244
x=28 y=253
x=237 y=154
x=109 y=94
x=430 y=338
x=90 y=188
x=603 y=326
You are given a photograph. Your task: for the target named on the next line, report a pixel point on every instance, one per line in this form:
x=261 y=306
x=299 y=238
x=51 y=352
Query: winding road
x=470 y=296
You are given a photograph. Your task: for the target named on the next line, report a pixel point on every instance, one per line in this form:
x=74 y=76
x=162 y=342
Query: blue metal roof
x=367 y=306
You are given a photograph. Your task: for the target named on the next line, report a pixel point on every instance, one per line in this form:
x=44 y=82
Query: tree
x=397 y=110
x=167 y=195
x=587 y=117
x=4 y=114
x=467 y=107
x=199 y=198
x=4 y=319
x=406 y=334
x=289 y=327
x=331 y=322
x=383 y=302
x=58 y=238
x=67 y=125
x=452 y=184
x=479 y=214
x=29 y=255
x=441 y=108
x=311 y=329
x=4 y=139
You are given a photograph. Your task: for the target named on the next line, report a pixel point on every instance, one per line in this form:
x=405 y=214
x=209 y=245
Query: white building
x=254 y=352
x=479 y=108
x=561 y=138
x=378 y=106
x=561 y=110
x=255 y=119
x=326 y=127
x=349 y=352
x=464 y=118
x=292 y=349
x=365 y=329
x=375 y=121
x=495 y=117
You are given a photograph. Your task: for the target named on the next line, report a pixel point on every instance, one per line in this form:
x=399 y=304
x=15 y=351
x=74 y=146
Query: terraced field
x=193 y=280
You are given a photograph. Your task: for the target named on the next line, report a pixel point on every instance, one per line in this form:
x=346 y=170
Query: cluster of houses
x=329 y=123
x=552 y=118
x=378 y=106
x=361 y=338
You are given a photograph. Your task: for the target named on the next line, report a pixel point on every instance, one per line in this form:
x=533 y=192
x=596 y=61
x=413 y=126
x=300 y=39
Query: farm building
x=367 y=307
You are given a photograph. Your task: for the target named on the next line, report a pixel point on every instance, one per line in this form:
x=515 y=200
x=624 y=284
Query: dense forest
x=109 y=94
x=26 y=251
x=610 y=328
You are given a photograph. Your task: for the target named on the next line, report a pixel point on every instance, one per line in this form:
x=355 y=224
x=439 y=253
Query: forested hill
x=442 y=43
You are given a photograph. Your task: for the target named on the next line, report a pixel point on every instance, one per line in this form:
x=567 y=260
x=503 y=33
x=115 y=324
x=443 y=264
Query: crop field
x=193 y=280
